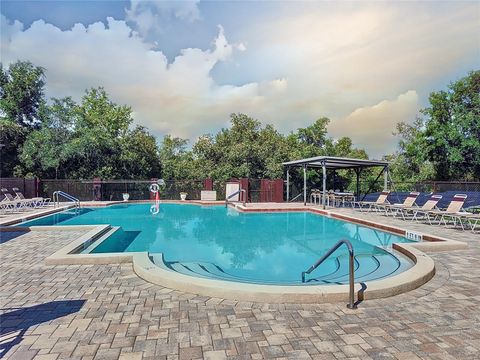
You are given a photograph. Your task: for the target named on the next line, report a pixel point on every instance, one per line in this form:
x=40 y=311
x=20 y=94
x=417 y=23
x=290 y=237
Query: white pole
x=324 y=197
x=304 y=185
x=385 y=178
x=288 y=184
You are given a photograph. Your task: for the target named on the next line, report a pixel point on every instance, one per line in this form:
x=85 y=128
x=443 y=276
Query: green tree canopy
x=90 y=139
x=12 y=136
x=446 y=137
x=22 y=93
x=248 y=149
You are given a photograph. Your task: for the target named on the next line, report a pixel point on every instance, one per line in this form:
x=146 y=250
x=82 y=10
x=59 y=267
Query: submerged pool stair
x=367 y=268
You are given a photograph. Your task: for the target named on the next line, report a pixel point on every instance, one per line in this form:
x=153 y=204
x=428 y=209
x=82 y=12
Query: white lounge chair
x=9 y=203
x=36 y=201
x=473 y=220
x=409 y=202
x=453 y=211
x=381 y=200
x=430 y=205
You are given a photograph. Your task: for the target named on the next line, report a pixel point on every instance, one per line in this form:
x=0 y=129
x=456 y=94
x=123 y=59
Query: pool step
x=367 y=267
x=100 y=239
x=388 y=265
x=341 y=272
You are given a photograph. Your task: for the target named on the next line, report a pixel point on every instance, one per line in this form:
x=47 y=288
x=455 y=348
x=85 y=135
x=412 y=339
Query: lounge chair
x=381 y=200
x=454 y=211
x=36 y=201
x=10 y=203
x=430 y=205
x=409 y=202
x=473 y=220
x=6 y=205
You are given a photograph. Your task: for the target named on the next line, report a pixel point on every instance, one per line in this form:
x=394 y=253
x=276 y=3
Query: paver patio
x=107 y=312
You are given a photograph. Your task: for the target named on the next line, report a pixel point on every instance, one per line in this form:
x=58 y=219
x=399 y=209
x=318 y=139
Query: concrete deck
x=13 y=217
x=108 y=312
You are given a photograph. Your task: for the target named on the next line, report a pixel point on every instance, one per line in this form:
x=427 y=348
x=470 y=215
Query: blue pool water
x=222 y=243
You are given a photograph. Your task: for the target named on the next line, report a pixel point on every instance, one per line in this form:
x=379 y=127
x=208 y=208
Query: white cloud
x=180 y=98
x=333 y=60
x=149 y=16
x=372 y=126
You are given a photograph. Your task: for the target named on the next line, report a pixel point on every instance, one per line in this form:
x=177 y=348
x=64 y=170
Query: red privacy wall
x=271 y=190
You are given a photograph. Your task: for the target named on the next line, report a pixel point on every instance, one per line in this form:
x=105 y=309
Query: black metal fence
x=296 y=188
x=113 y=190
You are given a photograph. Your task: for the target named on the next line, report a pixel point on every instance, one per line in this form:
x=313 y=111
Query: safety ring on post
x=154 y=209
x=154 y=188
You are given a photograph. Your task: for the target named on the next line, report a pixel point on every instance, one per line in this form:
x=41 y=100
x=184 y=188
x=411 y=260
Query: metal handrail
x=348 y=244
x=58 y=193
x=241 y=191
x=295 y=198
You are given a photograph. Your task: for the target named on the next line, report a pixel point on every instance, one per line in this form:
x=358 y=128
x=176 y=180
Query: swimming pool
x=220 y=243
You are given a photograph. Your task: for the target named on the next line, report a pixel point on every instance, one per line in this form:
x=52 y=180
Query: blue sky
x=184 y=66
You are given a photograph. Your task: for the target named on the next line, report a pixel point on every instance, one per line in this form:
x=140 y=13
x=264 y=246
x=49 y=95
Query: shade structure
x=335 y=163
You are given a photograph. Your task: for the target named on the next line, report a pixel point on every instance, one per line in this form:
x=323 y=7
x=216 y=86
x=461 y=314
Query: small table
x=342 y=196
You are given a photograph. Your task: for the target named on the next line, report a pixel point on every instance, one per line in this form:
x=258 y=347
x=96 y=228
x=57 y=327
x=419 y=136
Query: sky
x=185 y=66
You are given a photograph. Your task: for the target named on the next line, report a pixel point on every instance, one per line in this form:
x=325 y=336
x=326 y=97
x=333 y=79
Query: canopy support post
x=333 y=177
x=304 y=185
x=324 y=180
x=385 y=178
x=357 y=171
x=288 y=184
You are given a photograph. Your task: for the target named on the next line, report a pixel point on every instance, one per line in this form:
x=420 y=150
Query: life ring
x=154 y=209
x=154 y=188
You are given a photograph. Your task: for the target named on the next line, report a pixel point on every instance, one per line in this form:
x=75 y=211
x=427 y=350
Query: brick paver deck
x=107 y=312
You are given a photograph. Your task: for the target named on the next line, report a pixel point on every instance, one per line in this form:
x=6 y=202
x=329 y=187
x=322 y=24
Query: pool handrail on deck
x=348 y=244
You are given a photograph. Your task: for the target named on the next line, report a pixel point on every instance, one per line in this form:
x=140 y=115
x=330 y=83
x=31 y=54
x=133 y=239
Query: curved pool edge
x=420 y=273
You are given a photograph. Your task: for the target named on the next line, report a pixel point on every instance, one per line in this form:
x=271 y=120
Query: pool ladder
x=241 y=192
x=348 y=244
x=58 y=194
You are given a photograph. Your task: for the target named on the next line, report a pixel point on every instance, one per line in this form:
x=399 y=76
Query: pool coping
x=420 y=273
x=25 y=216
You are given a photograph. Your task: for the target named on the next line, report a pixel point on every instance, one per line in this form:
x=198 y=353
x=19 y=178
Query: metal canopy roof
x=332 y=162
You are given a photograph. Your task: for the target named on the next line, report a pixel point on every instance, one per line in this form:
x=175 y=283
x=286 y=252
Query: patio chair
x=430 y=205
x=341 y=198
x=381 y=200
x=453 y=211
x=10 y=203
x=473 y=220
x=315 y=196
x=37 y=201
x=409 y=202
x=331 y=200
x=6 y=205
